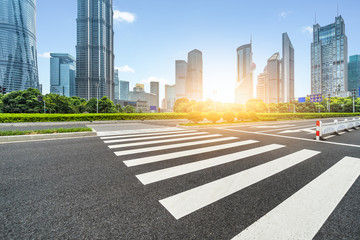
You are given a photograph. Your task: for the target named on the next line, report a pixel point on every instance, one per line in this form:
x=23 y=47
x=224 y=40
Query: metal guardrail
x=335 y=127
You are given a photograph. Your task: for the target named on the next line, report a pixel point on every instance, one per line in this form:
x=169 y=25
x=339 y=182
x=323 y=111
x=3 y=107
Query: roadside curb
x=23 y=138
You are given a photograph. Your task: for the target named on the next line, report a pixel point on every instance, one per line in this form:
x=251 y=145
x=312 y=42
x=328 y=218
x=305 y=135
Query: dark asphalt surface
x=78 y=189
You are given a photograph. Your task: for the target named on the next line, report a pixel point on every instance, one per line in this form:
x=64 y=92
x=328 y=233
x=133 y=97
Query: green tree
x=129 y=109
x=181 y=105
x=77 y=105
x=106 y=105
x=24 y=101
x=91 y=105
x=56 y=103
x=119 y=108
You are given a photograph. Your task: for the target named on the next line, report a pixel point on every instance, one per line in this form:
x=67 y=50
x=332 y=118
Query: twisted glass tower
x=95 y=49
x=18 y=55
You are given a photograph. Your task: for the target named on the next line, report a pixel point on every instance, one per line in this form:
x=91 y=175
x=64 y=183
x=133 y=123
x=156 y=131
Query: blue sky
x=151 y=34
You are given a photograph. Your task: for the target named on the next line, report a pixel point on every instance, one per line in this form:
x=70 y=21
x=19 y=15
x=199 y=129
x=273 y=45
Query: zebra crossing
x=301 y=215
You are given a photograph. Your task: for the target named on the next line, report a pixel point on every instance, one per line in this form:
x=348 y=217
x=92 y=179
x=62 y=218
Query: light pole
x=97 y=97
x=353 y=95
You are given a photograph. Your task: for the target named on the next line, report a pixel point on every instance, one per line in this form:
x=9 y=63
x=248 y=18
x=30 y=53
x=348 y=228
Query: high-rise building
x=149 y=100
x=329 y=59
x=260 y=87
x=117 y=85
x=354 y=74
x=18 y=54
x=124 y=90
x=194 y=76
x=95 y=49
x=244 y=81
x=170 y=93
x=287 y=84
x=154 y=89
x=273 y=79
x=180 y=78
x=62 y=74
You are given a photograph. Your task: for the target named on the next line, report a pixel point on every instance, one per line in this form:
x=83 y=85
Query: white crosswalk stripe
x=156 y=137
x=167 y=173
x=189 y=201
x=163 y=157
x=302 y=215
x=146 y=134
x=146 y=130
x=173 y=146
x=162 y=141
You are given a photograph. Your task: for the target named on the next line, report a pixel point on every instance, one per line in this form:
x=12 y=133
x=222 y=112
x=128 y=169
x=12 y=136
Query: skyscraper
x=194 y=76
x=116 y=84
x=154 y=89
x=272 y=89
x=244 y=81
x=287 y=85
x=180 y=78
x=170 y=91
x=260 y=87
x=18 y=54
x=124 y=90
x=62 y=74
x=95 y=49
x=329 y=59
x=354 y=74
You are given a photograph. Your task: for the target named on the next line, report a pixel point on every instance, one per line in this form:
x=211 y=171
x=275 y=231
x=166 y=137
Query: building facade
x=116 y=85
x=329 y=59
x=354 y=74
x=139 y=95
x=154 y=89
x=194 y=76
x=62 y=74
x=170 y=96
x=180 y=78
x=273 y=79
x=18 y=54
x=287 y=84
x=95 y=49
x=244 y=81
x=260 y=87
x=124 y=90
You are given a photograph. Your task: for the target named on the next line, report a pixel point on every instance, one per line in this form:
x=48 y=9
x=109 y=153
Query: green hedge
x=86 y=117
x=43 y=131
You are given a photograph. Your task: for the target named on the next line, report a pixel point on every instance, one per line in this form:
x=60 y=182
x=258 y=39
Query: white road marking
x=330 y=136
x=171 y=172
x=155 y=137
x=146 y=134
x=308 y=130
x=172 y=146
x=302 y=215
x=161 y=141
x=163 y=157
x=288 y=128
x=194 y=199
x=341 y=133
x=124 y=132
x=276 y=126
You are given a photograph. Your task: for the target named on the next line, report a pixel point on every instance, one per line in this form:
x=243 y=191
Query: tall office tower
x=194 y=76
x=124 y=90
x=95 y=49
x=354 y=74
x=287 y=85
x=116 y=84
x=329 y=59
x=170 y=93
x=244 y=81
x=273 y=76
x=154 y=89
x=260 y=87
x=18 y=55
x=62 y=74
x=180 y=78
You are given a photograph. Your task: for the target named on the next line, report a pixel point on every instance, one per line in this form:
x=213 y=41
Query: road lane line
x=124 y=132
x=288 y=128
x=163 y=174
x=163 y=157
x=155 y=137
x=146 y=134
x=194 y=199
x=122 y=145
x=172 y=146
x=302 y=215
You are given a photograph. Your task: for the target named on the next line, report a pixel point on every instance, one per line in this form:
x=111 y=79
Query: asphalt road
x=154 y=181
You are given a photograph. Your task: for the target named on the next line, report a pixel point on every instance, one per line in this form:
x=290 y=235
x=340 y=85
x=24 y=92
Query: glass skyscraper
x=154 y=89
x=124 y=90
x=194 y=76
x=95 y=49
x=329 y=59
x=117 y=85
x=354 y=74
x=180 y=78
x=287 y=84
x=62 y=74
x=18 y=54
x=244 y=81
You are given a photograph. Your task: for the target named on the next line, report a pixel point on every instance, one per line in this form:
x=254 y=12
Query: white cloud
x=44 y=55
x=155 y=79
x=125 y=68
x=124 y=16
x=307 y=29
x=284 y=14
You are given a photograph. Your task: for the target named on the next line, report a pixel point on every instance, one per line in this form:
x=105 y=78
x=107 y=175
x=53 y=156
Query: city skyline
x=214 y=37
